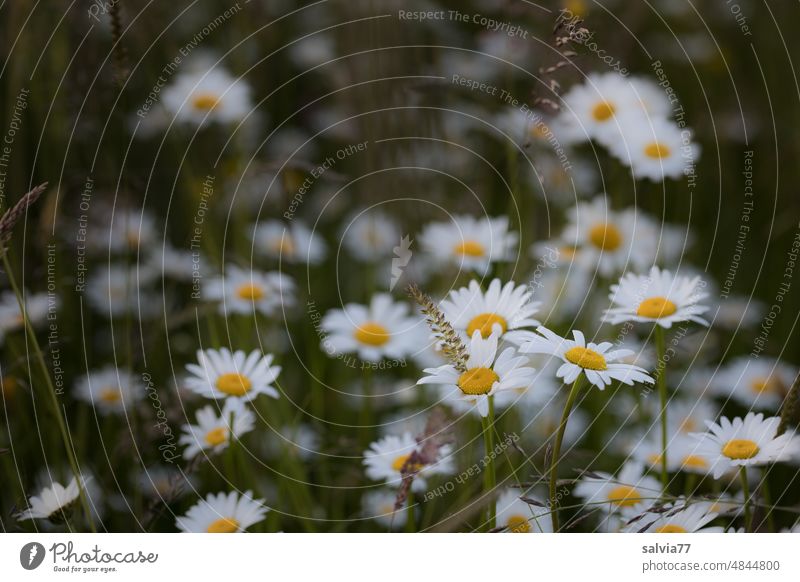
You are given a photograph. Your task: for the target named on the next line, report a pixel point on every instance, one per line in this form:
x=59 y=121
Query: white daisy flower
x=223 y=513
x=204 y=97
x=655 y=149
x=53 y=502
x=221 y=374
x=370 y=236
x=214 y=432
x=744 y=443
x=683 y=455
x=595 y=361
x=486 y=374
x=678 y=518
x=658 y=297
x=384 y=329
x=469 y=243
x=115 y=290
x=628 y=493
x=241 y=291
x=129 y=230
x=499 y=310
x=178 y=264
x=757 y=383
x=110 y=390
x=385 y=459
x=518 y=516
x=379 y=505
x=292 y=242
x=37 y=306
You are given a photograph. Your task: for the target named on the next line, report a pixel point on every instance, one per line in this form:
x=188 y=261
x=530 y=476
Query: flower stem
x=661 y=382
x=556 y=454
x=489 y=478
x=748 y=512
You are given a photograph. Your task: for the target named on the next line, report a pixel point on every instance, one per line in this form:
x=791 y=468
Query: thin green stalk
x=766 y=495
x=661 y=382
x=51 y=390
x=366 y=405
x=489 y=477
x=556 y=454
x=748 y=511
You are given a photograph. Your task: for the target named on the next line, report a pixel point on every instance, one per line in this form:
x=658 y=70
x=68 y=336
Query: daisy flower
x=201 y=97
x=223 y=513
x=37 y=306
x=677 y=519
x=214 y=432
x=469 y=243
x=54 y=502
x=110 y=390
x=221 y=374
x=370 y=236
x=744 y=443
x=517 y=516
x=499 y=310
x=115 y=290
x=628 y=493
x=595 y=361
x=382 y=329
x=486 y=373
x=292 y=242
x=241 y=291
x=658 y=297
x=760 y=383
x=379 y=505
x=385 y=459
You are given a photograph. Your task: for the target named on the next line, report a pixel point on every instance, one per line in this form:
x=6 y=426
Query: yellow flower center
x=234 y=384
x=603 y=111
x=518 y=524
x=400 y=462
x=469 y=248
x=656 y=307
x=8 y=386
x=657 y=151
x=283 y=246
x=250 y=292
x=205 y=101
x=671 y=528
x=740 y=449
x=695 y=462
x=654 y=459
x=568 y=252
x=110 y=395
x=217 y=436
x=688 y=425
x=484 y=323
x=763 y=385
x=476 y=381
x=372 y=334
x=605 y=236
x=224 y=525
x=586 y=358
x=624 y=496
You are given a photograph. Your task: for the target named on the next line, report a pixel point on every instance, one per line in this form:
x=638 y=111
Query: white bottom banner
x=396 y=557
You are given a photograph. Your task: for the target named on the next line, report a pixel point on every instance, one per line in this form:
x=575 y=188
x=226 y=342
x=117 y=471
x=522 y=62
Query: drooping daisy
x=370 y=236
x=486 y=373
x=744 y=443
x=656 y=149
x=214 y=432
x=129 y=230
x=221 y=374
x=500 y=310
x=628 y=493
x=469 y=243
x=54 y=502
x=760 y=383
x=292 y=242
x=679 y=518
x=223 y=513
x=241 y=291
x=384 y=329
x=595 y=361
x=517 y=516
x=658 y=297
x=385 y=459
x=683 y=456
x=379 y=505
x=110 y=390
x=207 y=96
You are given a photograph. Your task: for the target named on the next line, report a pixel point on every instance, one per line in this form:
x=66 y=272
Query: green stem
x=410 y=521
x=661 y=382
x=489 y=477
x=766 y=494
x=748 y=512
x=573 y=394
x=51 y=390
